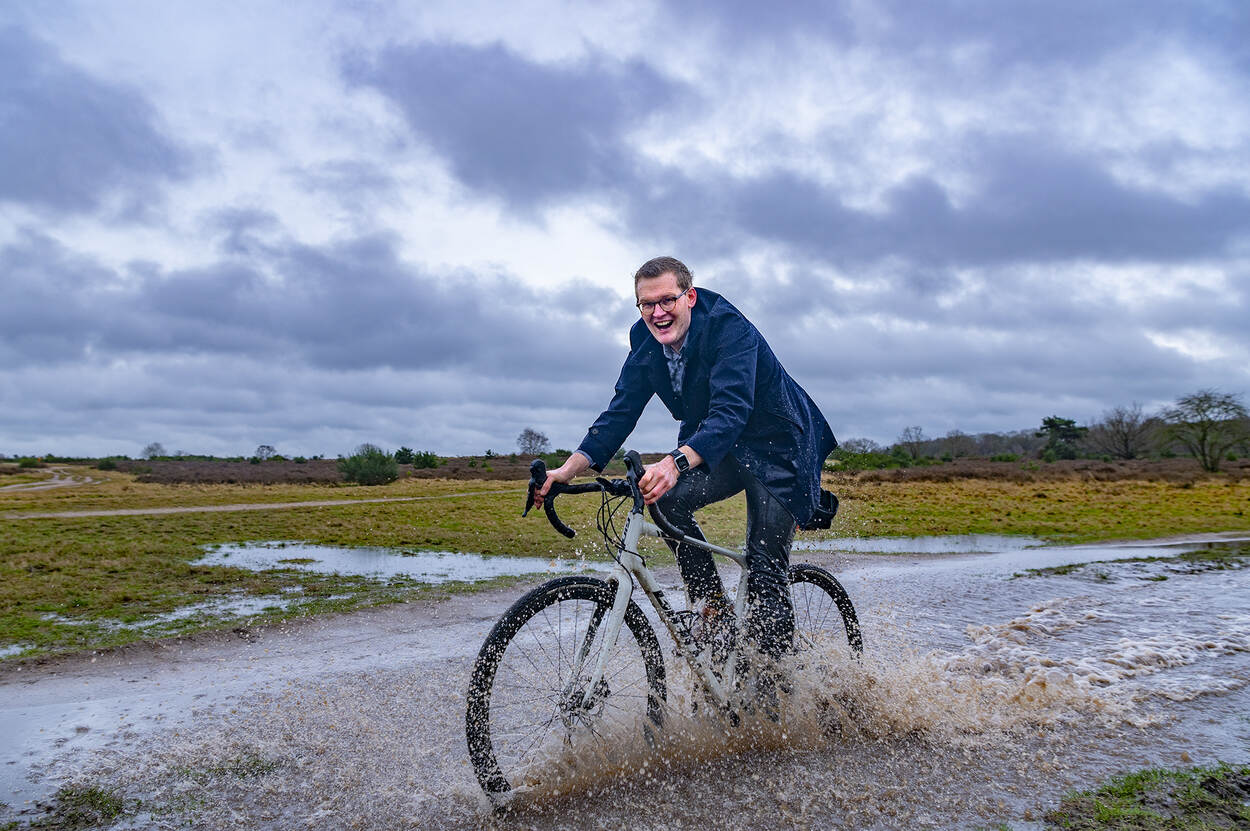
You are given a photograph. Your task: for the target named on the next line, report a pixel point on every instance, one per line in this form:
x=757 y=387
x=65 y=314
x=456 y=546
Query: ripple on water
x=952 y=544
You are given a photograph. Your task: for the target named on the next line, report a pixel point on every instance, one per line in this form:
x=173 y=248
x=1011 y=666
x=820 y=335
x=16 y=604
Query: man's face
x=669 y=327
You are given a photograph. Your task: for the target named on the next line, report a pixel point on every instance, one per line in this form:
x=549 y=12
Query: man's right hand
x=573 y=467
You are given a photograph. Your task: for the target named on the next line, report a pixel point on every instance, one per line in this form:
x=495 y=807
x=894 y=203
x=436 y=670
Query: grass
x=67 y=583
x=1067 y=511
x=75 y=807
x=1217 y=558
x=1195 y=799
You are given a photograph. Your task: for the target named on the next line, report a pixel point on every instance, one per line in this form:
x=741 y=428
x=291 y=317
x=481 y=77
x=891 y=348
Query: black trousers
x=770 y=530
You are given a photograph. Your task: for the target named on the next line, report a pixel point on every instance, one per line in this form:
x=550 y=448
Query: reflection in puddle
x=237 y=604
x=953 y=544
x=376 y=561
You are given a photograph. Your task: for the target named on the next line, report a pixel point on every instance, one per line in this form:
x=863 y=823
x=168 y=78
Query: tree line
x=1208 y=425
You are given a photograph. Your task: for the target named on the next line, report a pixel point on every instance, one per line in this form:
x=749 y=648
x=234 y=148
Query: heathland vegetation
x=111 y=553
x=115 y=560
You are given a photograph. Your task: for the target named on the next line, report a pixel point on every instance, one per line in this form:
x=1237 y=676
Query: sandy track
x=60 y=479
x=248 y=506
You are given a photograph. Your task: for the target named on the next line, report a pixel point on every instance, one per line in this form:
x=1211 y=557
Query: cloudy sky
x=313 y=225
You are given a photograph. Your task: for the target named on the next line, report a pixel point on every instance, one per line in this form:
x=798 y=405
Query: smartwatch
x=683 y=464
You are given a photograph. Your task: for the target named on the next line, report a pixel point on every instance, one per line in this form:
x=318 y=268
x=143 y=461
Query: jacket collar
x=704 y=300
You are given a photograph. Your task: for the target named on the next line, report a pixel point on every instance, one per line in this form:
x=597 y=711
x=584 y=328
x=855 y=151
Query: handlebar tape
x=538 y=476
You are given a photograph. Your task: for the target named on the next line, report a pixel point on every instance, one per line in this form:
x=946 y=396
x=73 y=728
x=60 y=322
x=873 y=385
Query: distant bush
x=369 y=465
x=28 y=462
x=871 y=460
x=424 y=459
x=106 y=464
x=1005 y=457
x=404 y=455
x=300 y=460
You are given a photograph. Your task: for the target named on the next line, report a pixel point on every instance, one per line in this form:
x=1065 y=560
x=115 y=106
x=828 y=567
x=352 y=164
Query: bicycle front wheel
x=824 y=617
x=529 y=698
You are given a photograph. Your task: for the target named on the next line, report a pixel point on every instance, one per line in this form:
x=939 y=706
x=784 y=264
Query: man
x=745 y=426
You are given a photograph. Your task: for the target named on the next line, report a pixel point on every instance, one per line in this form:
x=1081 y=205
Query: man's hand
x=661 y=476
x=574 y=466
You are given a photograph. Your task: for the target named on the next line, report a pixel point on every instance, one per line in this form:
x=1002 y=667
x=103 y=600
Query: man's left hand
x=658 y=479
x=662 y=475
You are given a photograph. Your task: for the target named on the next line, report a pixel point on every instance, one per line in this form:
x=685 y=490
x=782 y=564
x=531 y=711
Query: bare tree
x=532 y=443
x=1208 y=423
x=912 y=440
x=861 y=446
x=1123 y=433
x=265 y=451
x=153 y=450
x=958 y=444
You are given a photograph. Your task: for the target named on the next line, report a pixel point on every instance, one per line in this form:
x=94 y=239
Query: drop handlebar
x=628 y=486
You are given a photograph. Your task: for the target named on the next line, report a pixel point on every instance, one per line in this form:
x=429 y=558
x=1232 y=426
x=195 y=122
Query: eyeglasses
x=647 y=307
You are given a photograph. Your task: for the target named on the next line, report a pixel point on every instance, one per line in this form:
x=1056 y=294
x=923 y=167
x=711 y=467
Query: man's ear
x=693 y=294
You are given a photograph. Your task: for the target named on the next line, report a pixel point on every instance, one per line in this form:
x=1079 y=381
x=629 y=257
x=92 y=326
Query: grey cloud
x=315 y=348
x=71 y=140
x=240 y=229
x=1032 y=205
x=358 y=186
x=515 y=128
x=349 y=306
x=940 y=36
x=1051 y=32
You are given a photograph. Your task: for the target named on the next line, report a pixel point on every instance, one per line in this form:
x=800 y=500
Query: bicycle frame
x=631 y=568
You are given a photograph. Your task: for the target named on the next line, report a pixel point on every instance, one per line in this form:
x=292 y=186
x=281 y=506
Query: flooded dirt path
x=983 y=698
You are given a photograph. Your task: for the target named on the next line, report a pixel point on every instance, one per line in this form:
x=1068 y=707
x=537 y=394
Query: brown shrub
x=1177 y=471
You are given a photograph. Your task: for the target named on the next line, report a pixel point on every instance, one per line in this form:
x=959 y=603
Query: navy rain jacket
x=736 y=400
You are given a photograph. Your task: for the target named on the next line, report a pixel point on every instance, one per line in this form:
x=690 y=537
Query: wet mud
x=983 y=697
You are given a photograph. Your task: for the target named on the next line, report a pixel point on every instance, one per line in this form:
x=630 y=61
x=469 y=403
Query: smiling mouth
x=663 y=325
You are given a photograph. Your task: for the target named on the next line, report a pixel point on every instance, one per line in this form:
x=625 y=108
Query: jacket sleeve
x=731 y=389
x=608 y=433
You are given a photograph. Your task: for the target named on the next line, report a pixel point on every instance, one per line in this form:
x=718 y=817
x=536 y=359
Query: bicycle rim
x=824 y=618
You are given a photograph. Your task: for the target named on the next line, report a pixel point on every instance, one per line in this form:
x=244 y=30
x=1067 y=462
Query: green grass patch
x=1195 y=799
x=1062 y=511
x=1216 y=558
x=75 y=807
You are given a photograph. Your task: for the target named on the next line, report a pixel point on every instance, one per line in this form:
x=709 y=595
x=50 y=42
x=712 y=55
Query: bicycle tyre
x=823 y=612
x=518 y=701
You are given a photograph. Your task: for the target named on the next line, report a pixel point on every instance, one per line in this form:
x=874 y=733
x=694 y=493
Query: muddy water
x=983 y=697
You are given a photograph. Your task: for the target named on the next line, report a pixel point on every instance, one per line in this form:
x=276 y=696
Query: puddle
x=953 y=544
x=371 y=561
x=238 y=605
x=10 y=651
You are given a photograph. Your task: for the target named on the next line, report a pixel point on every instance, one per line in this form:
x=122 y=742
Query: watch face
x=683 y=464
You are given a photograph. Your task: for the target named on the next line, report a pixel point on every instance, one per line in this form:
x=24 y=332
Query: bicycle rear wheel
x=527 y=699
x=824 y=617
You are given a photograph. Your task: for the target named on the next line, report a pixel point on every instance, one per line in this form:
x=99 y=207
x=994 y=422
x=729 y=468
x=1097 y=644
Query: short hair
x=663 y=265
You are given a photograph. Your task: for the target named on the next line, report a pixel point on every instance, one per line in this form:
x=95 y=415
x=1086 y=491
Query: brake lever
x=538 y=476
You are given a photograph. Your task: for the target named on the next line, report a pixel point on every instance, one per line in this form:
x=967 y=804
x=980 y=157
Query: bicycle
x=576 y=659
